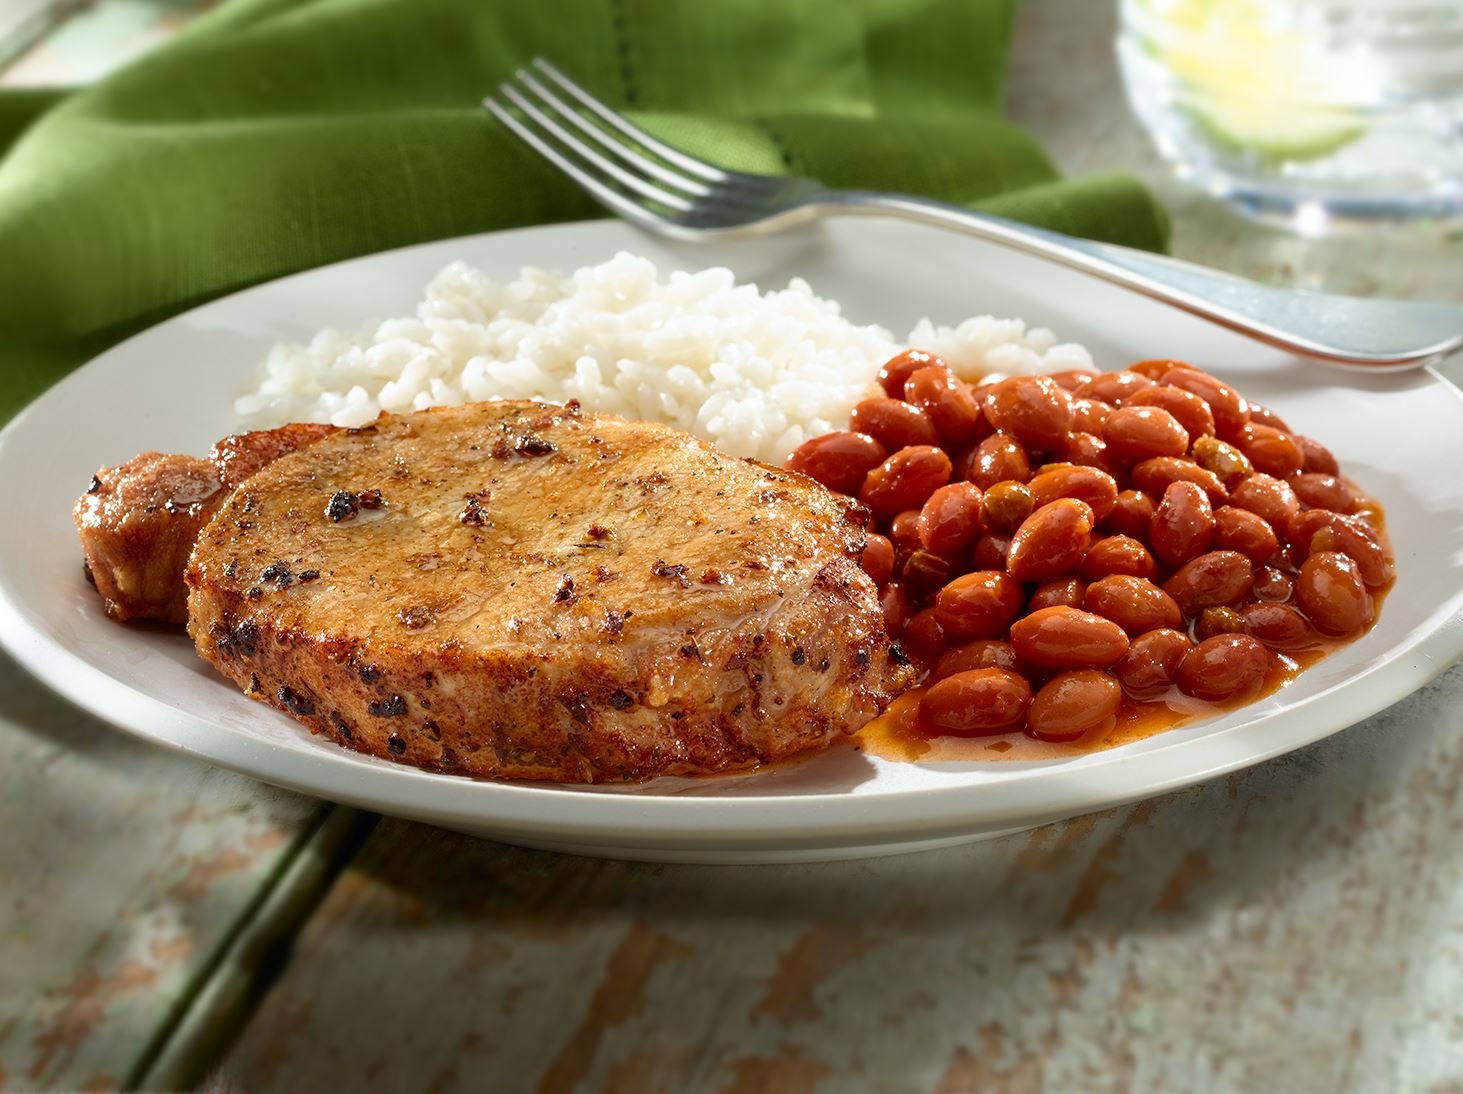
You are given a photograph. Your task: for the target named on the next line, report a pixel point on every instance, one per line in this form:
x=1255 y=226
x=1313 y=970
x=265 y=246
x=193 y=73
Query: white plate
x=171 y=388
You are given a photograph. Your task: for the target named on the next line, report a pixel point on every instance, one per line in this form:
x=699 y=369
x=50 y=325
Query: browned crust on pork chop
x=536 y=593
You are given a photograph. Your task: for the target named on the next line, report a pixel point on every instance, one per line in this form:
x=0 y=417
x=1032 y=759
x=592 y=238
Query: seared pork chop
x=138 y=522
x=519 y=591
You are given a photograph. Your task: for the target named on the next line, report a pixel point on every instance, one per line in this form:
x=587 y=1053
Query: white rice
x=754 y=374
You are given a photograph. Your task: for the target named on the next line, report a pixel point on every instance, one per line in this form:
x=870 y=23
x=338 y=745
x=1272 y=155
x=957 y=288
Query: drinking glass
x=1321 y=113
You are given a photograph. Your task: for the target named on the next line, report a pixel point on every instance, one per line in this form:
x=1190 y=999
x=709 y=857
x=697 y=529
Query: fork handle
x=1349 y=330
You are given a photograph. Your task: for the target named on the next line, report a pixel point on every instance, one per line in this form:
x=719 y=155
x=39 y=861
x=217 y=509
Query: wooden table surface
x=1295 y=927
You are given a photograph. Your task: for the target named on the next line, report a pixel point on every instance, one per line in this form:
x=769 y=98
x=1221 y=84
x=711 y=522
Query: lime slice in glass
x=1256 y=84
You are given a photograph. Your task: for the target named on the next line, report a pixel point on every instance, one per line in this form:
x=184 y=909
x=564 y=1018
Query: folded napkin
x=272 y=136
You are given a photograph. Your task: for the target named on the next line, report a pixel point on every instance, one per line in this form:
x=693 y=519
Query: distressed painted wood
x=125 y=868
x=1297 y=927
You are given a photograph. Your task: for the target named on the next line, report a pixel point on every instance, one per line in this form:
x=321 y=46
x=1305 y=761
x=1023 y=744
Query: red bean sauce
x=1080 y=560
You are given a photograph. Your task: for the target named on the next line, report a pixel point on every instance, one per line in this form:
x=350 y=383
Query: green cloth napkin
x=272 y=136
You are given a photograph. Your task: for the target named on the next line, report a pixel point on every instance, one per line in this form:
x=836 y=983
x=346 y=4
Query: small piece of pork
x=138 y=522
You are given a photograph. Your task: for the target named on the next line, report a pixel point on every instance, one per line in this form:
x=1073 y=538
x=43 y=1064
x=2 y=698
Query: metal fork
x=669 y=192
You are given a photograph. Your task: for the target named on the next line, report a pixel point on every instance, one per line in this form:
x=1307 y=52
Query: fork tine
x=607 y=196
x=586 y=152
x=686 y=162
x=611 y=144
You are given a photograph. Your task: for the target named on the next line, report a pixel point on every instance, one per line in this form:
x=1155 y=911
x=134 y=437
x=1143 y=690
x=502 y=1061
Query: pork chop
x=518 y=591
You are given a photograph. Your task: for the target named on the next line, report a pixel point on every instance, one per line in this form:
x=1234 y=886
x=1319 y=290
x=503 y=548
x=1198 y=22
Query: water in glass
x=1317 y=112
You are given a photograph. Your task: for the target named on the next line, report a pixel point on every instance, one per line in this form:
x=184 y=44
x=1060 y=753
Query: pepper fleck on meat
x=342 y=506
x=279 y=573
x=293 y=701
x=529 y=445
x=474 y=513
x=244 y=638
x=392 y=707
x=578 y=708
x=676 y=571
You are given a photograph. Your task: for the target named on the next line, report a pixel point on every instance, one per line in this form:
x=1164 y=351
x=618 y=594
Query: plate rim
x=586 y=817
